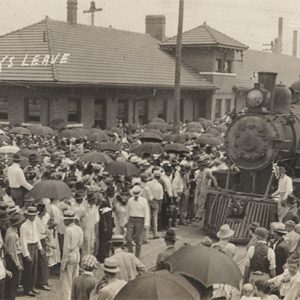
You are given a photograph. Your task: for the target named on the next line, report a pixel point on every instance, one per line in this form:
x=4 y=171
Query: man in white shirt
x=285 y=188
x=137 y=219
x=289 y=281
x=73 y=240
x=17 y=181
x=157 y=193
x=260 y=259
x=88 y=225
x=30 y=243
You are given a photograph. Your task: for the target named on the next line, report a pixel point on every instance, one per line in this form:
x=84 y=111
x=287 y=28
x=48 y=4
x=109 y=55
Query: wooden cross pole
x=92 y=11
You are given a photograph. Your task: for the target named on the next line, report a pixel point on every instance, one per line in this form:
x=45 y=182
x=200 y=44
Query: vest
x=259 y=261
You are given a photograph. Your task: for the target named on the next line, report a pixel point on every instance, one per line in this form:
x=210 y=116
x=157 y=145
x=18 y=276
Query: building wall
x=55 y=104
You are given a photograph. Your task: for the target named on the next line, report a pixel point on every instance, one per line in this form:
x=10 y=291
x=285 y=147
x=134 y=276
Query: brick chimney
x=156 y=26
x=295 y=42
x=72 y=12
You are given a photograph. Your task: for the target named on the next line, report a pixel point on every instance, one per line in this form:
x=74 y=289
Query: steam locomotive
x=265 y=134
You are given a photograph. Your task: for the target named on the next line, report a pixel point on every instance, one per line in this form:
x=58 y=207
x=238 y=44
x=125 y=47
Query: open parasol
x=108 y=146
x=9 y=149
x=176 y=148
x=207 y=265
x=96 y=157
x=20 y=130
x=40 y=130
x=147 y=149
x=149 y=136
x=125 y=168
x=161 y=285
x=52 y=189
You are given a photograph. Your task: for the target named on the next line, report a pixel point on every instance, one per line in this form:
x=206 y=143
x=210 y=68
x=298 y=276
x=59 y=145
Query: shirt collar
x=118 y=250
x=88 y=273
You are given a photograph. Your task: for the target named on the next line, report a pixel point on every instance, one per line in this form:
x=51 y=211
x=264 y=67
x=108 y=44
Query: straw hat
x=111 y=265
x=136 y=190
x=31 y=211
x=225 y=232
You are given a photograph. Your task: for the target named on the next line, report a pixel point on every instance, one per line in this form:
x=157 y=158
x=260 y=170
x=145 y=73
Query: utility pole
x=92 y=11
x=178 y=69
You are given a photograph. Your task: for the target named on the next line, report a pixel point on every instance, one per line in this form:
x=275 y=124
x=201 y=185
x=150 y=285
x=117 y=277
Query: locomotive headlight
x=255 y=98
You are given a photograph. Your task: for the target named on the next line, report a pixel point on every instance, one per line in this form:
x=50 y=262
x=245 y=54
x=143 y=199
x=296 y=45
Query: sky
x=252 y=22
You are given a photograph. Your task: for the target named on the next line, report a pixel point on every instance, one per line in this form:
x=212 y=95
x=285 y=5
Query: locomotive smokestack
x=280 y=30
x=267 y=80
x=72 y=12
x=295 y=42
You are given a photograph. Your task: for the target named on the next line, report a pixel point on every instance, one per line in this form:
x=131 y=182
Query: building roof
x=204 y=36
x=98 y=56
x=287 y=67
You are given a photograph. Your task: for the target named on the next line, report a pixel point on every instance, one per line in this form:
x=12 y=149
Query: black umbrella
x=207 y=265
x=161 y=285
x=147 y=149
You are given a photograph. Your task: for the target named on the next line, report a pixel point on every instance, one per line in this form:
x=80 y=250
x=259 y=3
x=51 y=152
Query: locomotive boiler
x=265 y=133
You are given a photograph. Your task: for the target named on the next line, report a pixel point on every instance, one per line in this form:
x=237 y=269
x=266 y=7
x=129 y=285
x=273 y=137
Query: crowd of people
x=109 y=216
x=71 y=235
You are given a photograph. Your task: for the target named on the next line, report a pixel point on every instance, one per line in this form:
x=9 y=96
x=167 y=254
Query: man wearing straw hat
x=137 y=216
x=112 y=286
x=130 y=266
x=31 y=244
x=13 y=256
x=73 y=240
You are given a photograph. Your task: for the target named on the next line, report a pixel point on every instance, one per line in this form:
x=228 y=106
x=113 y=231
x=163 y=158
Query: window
x=227 y=66
x=219 y=65
x=218 y=108
x=163 y=109
x=123 y=110
x=32 y=110
x=3 y=108
x=100 y=113
x=74 y=110
x=141 y=111
x=227 y=105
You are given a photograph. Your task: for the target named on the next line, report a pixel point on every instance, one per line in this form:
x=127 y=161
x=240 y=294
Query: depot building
x=81 y=74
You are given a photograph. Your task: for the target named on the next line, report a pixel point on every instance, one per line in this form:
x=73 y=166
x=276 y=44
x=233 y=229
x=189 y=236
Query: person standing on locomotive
x=285 y=188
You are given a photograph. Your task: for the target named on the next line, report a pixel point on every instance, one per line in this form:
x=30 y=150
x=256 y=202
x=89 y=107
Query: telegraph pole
x=92 y=11
x=178 y=69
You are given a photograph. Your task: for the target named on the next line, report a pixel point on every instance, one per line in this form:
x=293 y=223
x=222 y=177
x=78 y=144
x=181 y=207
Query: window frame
x=28 y=117
x=5 y=112
x=74 y=117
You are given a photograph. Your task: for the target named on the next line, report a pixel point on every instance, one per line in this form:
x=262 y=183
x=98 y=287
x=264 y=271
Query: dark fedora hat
x=90 y=196
x=16 y=158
